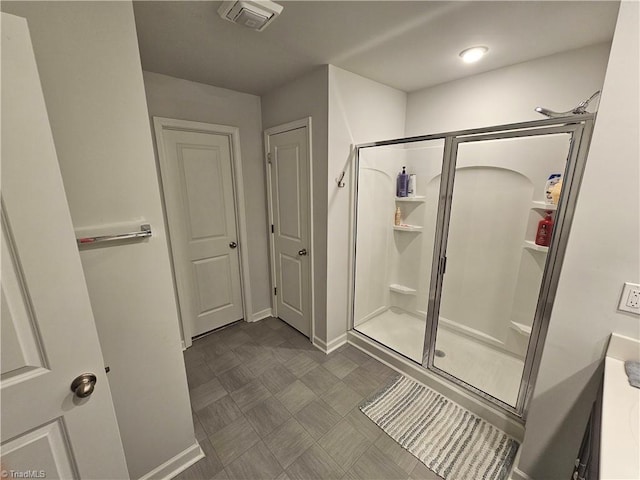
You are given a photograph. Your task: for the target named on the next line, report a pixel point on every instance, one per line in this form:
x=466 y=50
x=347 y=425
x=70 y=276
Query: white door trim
x=162 y=124
x=305 y=122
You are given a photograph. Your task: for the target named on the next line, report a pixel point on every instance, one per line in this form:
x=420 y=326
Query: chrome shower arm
x=581 y=109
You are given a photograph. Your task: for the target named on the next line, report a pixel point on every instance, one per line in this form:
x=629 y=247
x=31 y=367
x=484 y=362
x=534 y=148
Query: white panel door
x=197 y=182
x=289 y=174
x=49 y=335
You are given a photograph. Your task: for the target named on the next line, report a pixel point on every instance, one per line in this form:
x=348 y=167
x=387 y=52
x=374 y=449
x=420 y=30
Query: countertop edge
x=619 y=443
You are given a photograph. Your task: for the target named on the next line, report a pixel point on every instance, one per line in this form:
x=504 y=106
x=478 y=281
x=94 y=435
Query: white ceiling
x=407 y=45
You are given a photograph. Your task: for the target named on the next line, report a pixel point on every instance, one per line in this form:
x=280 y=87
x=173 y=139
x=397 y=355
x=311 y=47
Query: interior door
x=48 y=332
x=289 y=176
x=198 y=183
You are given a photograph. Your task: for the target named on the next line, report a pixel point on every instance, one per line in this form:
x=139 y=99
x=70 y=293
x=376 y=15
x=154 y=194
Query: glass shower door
x=395 y=243
x=465 y=283
x=495 y=268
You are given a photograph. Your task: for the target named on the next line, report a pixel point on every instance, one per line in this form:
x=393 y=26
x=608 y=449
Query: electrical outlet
x=630 y=298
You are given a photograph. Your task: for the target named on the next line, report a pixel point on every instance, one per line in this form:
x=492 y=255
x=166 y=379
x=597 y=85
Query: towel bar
x=145 y=231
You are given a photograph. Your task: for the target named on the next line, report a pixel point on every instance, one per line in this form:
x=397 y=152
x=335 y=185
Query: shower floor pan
x=472 y=361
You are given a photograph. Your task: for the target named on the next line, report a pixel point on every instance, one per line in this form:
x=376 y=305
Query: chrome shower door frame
x=580 y=127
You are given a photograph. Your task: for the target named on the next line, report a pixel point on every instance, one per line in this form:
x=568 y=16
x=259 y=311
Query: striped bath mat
x=449 y=440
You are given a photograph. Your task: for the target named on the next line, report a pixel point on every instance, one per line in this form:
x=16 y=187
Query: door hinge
x=272 y=228
x=269 y=157
x=443 y=265
x=275 y=290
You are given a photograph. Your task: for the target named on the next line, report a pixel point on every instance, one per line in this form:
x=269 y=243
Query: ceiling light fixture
x=473 y=54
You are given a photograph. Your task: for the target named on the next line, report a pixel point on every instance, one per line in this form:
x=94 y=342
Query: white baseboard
x=177 y=464
x=262 y=314
x=337 y=343
x=332 y=345
x=319 y=344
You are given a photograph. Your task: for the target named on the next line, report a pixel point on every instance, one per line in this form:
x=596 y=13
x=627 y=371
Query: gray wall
x=307 y=96
x=176 y=98
x=87 y=56
x=603 y=253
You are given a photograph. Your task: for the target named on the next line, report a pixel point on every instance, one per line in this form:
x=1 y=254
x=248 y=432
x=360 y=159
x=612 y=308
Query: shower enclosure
x=460 y=286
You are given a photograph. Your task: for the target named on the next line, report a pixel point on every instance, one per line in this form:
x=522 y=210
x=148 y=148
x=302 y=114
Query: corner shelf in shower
x=402 y=289
x=520 y=328
x=528 y=244
x=407 y=228
x=417 y=199
x=543 y=206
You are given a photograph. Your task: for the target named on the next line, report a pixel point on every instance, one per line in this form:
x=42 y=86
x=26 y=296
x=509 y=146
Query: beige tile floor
x=268 y=405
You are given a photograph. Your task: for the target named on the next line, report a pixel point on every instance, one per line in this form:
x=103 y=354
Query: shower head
x=550 y=113
x=581 y=109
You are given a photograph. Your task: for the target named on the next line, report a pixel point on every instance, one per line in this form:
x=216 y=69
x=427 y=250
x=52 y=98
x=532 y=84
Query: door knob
x=83 y=385
x=233 y=244
x=302 y=252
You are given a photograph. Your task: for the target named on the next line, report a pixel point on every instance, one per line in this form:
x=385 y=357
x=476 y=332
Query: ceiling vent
x=253 y=14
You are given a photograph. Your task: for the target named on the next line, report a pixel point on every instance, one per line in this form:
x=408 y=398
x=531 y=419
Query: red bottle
x=545 y=228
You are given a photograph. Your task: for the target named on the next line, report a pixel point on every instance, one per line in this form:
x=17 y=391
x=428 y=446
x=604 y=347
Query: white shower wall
x=486 y=233
x=375 y=259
